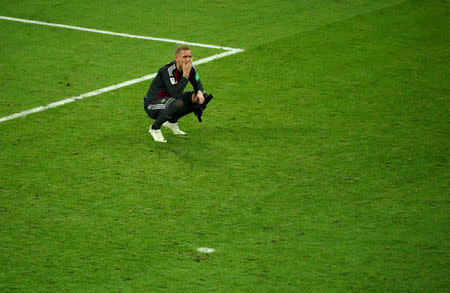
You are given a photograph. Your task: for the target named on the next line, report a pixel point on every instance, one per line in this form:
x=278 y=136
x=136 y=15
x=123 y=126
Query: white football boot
x=157 y=134
x=174 y=128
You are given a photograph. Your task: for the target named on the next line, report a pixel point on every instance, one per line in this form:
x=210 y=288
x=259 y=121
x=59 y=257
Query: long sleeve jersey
x=169 y=82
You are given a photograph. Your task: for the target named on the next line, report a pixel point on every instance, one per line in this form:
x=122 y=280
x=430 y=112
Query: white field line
x=114 y=33
x=229 y=51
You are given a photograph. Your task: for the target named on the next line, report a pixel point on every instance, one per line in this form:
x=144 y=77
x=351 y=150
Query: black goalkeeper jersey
x=169 y=82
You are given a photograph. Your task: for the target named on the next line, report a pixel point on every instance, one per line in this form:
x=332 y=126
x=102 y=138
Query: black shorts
x=154 y=108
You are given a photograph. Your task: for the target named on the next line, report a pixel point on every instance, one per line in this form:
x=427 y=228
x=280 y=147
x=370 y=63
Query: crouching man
x=166 y=101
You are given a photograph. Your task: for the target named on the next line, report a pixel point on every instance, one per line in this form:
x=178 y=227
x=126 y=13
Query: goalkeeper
x=166 y=101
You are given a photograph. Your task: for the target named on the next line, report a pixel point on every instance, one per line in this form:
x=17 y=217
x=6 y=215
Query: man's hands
x=187 y=66
x=198 y=109
x=198 y=98
x=185 y=59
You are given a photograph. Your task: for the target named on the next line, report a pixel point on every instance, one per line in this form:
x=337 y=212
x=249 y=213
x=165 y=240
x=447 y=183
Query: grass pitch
x=321 y=165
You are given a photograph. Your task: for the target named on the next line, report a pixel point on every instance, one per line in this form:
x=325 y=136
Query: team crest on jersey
x=172 y=80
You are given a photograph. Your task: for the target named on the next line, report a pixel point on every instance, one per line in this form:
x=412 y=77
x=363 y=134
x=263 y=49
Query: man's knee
x=187 y=97
x=177 y=105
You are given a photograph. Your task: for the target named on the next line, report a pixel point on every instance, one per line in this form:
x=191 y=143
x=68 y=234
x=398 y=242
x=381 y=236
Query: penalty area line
x=109 y=88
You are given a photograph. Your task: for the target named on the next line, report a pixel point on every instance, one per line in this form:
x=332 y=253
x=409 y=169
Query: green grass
x=321 y=164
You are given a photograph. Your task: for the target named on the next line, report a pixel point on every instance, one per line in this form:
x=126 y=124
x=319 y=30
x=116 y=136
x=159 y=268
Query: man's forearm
x=176 y=91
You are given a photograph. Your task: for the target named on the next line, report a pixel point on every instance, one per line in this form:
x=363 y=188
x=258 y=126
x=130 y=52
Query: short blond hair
x=181 y=48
